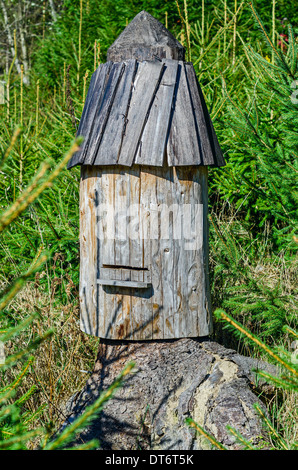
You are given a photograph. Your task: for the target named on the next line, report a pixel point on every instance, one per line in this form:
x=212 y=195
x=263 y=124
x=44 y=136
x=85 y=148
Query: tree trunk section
x=175 y=379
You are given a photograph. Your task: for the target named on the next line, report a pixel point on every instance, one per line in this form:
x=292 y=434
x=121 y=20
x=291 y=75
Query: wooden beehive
x=148 y=141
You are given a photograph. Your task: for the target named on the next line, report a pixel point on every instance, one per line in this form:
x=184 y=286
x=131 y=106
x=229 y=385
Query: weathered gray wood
x=206 y=300
x=110 y=144
x=176 y=301
x=183 y=147
x=95 y=99
x=88 y=252
x=95 y=89
x=218 y=159
x=144 y=89
x=200 y=119
x=153 y=141
x=135 y=244
x=208 y=142
x=145 y=38
x=133 y=113
x=127 y=116
x=152 y=308
x=120 y=283
x=125 y=273
x=102 y=112
x=105 y=246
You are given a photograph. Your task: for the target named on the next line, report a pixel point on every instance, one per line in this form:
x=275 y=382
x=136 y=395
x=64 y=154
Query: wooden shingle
x=134 y=111
x=145 y=106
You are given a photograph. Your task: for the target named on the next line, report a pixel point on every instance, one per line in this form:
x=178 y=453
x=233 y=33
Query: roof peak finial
x=145 y=38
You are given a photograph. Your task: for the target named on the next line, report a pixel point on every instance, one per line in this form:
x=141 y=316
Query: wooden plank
x=192 y=228
x=166 y=217
x=140 y=297
x=92 y=105
x=219 y=158
x=205 y=320
x=120 y=283
x=105 y=216
x=179 y=257
x=142 y=304
x=83 y=125
x=209 y=146
x=127 y=114
x=106 y=298
x=122 y=201
x=110 y=144
x=95 y=88
x=102 y=112
x=182 y=145
x=153 y=311
x=104 y=198
x=124 y=323
x=192 y=271
x=88 y=254
x=133 y=222
x=206 y=150
x=153 y=141
x=145 y=85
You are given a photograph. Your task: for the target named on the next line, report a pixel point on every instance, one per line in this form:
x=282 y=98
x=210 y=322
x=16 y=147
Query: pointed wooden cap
x=145 y=38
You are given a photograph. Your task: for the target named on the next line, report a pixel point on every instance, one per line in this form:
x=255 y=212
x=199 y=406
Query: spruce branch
x=205 y=434
x=90 y=413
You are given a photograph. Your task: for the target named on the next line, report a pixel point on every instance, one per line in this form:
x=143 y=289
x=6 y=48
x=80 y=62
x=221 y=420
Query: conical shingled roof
x=145 y=38
x=146 y=112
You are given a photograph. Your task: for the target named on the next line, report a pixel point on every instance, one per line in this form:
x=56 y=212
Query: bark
x=174 y=379
x=10 y=36
x=22 y=34
x=53 y=11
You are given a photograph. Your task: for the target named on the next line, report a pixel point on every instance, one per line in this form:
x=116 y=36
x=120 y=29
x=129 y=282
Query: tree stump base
x=175 y=379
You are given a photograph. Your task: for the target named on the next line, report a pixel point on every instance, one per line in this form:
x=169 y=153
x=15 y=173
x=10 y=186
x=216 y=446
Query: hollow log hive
x=148 y=141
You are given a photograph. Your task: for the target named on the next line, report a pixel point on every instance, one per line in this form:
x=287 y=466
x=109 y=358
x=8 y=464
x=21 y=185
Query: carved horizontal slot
x=124 y=276
x=118 y=266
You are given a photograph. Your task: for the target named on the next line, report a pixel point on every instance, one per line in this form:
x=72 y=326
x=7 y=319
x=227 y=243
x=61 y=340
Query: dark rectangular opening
x=119 y=266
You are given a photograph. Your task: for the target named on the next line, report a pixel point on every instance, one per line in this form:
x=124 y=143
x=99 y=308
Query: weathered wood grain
x=120 y=283
x=145 y=38
x=144 y=89
x=136 y=110
x=94 y=90
x=206 y=151
x=183 y=147
x=103 y=110
x=88 y=252
x=110 y=144
x=208 y=321
x=153 y=140
x=137 y=305
x=154 y=286
x=152 y=315
x=124 y=273
x=91 y=105
x=207 y=139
